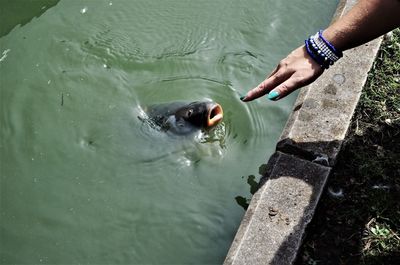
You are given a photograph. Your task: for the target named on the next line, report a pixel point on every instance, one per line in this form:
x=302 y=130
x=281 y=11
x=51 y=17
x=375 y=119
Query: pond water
x=83 y=179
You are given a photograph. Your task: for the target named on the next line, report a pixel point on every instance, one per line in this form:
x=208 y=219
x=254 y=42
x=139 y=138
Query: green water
x=83 y=180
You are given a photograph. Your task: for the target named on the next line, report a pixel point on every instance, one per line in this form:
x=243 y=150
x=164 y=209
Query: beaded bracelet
x=322 y=51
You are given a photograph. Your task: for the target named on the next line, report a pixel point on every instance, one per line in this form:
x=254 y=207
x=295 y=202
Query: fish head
x=201 y=114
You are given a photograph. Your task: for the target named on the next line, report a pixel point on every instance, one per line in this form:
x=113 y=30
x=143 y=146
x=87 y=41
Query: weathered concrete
x=272 y=228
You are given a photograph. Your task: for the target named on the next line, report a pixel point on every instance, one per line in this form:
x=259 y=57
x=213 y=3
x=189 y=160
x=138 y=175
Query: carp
x=185 y=118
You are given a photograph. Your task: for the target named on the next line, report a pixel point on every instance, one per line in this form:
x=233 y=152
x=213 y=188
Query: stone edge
x=237 y=244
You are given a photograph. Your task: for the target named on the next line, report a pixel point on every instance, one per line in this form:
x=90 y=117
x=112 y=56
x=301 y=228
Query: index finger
x=267 y=85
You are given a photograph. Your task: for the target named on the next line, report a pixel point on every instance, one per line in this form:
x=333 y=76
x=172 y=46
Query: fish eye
x=190 y=112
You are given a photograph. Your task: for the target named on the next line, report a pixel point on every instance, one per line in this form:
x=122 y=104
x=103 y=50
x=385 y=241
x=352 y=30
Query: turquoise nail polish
x=242 y=97
x=273 y=95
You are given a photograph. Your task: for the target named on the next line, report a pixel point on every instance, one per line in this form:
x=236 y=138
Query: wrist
x=322 y=51
x=335 y=38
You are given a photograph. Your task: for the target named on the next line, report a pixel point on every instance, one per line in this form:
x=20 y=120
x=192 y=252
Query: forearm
x=366 y=21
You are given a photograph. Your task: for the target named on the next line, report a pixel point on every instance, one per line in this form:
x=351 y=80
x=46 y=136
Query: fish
x=182 y=118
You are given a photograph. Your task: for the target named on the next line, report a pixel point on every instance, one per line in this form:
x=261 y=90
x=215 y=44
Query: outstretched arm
x=367 y=20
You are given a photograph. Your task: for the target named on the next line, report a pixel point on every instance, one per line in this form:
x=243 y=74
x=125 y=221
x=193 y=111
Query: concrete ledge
x=272 y=228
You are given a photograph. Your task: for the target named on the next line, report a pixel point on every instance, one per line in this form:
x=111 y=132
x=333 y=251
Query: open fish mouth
x=214 y=115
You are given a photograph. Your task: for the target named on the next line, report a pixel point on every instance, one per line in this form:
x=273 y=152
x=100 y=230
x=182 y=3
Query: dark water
x=83 y=180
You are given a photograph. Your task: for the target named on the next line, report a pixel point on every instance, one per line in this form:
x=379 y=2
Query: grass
x=362 y=226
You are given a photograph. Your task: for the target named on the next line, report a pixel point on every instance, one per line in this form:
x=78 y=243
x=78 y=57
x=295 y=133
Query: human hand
x=298 y=69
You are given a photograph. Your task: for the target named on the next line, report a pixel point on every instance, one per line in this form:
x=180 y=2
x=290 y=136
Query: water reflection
x=20 y=12
x=254 y=186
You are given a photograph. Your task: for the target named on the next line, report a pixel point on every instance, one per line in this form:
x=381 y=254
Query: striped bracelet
x=322 y=51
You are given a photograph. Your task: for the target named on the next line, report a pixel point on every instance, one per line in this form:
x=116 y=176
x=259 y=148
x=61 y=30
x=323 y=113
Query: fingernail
x=273 y=95
x=242 y=98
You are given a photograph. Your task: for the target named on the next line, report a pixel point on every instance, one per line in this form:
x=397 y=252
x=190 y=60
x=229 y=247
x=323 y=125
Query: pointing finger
x=268 y=84
x=286 y=88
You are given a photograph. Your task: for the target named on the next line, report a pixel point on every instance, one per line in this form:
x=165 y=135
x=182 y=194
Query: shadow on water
x=254 y=186
x=20 y=12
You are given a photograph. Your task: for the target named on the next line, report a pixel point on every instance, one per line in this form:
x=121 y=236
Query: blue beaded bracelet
x=322 y=51
x=331 y=47
x=312 y=53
